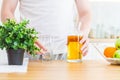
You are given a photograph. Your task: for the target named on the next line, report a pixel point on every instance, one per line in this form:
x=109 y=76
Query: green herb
x=15 y=35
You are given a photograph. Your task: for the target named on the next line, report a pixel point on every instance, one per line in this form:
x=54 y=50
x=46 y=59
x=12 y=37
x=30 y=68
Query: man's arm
x=84 y=15
x=85 y=19
x=8 y=9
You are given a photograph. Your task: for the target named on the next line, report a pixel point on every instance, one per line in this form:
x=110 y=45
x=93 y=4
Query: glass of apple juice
x=74 y=53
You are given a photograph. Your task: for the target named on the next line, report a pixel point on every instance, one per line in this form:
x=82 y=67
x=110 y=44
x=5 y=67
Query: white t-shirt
x=50 y=17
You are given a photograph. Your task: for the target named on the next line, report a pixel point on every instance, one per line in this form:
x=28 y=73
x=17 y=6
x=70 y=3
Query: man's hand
x=39 y=45
x=85 y=42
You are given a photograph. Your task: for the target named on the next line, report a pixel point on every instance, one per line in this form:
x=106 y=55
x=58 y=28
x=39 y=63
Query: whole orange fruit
x=109 y=51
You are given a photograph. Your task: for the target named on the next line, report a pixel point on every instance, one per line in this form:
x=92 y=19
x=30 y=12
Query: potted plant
x=16 y=38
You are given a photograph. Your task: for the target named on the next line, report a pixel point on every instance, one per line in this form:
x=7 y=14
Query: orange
x=109 y=51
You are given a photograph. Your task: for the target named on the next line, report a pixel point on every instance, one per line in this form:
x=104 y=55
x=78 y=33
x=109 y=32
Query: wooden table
x=61 y=70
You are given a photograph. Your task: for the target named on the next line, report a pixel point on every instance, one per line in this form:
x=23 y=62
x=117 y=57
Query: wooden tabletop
x=62 y=70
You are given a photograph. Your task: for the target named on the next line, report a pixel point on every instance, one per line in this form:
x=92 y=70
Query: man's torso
x=55 y=17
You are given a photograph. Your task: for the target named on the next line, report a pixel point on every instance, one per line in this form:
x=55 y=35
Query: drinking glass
x=74 y=53
x=47 y=41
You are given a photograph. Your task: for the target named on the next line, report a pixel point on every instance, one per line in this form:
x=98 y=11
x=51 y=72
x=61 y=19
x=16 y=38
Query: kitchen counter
x=62 y=70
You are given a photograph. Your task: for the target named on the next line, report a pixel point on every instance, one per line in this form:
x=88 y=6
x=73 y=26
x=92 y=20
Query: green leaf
x=8 y=40
x=15 y=43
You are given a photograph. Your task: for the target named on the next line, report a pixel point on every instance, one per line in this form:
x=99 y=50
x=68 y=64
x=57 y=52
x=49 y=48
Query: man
x=52 y=17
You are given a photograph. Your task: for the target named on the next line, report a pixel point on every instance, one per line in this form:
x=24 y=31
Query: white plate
x=100 y=48
x=113 y=60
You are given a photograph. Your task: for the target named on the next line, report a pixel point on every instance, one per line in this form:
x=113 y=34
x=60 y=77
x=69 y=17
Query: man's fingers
x=86 y=43
x=40 y=45
x=85 y=52
x=41 y=52
x=82 y=41
x=42 y=48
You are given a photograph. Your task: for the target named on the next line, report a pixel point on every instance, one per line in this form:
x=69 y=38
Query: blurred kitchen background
x=105 y=18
